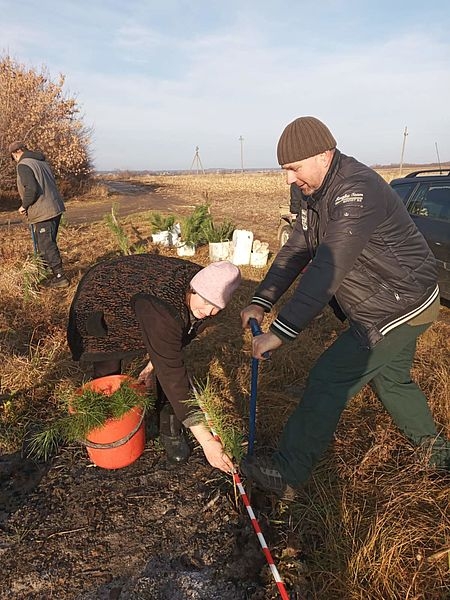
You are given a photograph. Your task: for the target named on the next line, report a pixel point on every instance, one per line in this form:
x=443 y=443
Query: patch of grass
x=33 y=274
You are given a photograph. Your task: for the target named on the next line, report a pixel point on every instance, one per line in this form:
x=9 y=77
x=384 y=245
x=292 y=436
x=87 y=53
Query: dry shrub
x=9 y=200
x=36 y=110
x=98 y=190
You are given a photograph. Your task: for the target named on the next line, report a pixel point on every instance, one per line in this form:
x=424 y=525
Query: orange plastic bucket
x=119 y=442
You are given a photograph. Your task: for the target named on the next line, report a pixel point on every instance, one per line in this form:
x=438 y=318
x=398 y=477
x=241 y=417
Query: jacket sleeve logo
x=352 y=198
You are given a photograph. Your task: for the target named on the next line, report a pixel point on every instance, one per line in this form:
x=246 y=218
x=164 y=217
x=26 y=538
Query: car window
x=403 y=189
x=431 y=200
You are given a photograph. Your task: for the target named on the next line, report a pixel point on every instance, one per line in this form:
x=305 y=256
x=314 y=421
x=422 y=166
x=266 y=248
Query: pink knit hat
x=217 y=282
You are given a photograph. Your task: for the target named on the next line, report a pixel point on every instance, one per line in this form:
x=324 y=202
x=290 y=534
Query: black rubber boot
x=172 y=436
x=58 y=281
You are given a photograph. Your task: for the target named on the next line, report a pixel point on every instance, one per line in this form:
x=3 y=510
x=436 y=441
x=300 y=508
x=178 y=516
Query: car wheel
x=284 y=231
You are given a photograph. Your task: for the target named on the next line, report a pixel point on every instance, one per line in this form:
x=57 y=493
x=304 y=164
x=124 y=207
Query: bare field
x=251 y=199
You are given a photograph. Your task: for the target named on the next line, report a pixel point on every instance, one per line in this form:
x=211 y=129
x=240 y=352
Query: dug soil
x=152 y=530
x=149 y=531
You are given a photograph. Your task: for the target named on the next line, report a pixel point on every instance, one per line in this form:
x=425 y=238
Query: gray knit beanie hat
x=17 y=145
x=304 y=137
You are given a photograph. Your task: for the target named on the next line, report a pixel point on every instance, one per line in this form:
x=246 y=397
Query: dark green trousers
x=340 y=373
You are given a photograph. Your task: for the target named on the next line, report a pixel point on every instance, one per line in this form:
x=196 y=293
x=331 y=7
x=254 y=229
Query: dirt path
x=134 y=197
x=129 y=198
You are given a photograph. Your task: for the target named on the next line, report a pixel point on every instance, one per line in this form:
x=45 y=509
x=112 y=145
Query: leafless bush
x=35 y=109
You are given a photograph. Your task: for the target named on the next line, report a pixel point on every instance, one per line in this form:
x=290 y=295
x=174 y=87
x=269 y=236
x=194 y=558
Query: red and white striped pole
x=280 y=585
x=276 y=575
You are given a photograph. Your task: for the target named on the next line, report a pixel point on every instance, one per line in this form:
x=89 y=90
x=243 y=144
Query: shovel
x=256 y=330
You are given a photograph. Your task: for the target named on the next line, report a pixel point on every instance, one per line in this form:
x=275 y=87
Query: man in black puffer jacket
x=367 y=259
x=43 y=206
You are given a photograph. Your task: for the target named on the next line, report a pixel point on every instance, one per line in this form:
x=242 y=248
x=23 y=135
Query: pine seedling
x=115 y=227
x=218 y=232
x=43 y=444
x=192 y=227
x=160 y=223
x=205 y=399
x=86 y=410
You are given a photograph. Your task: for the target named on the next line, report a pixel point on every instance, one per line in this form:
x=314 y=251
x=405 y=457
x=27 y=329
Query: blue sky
x=155 y=79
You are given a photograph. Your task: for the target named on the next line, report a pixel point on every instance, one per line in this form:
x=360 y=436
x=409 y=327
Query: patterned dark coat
x=135 y=304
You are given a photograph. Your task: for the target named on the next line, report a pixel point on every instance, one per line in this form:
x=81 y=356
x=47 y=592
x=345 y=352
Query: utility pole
x=438 y=157
x=241 y=139
x=405 y=133
x=196 y=160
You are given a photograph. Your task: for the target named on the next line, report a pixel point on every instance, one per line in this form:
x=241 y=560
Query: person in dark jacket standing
x=141 y=303
x=368 y=260
x=43 y=206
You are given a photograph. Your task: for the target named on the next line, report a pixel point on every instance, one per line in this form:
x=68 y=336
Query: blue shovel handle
x=256 y=330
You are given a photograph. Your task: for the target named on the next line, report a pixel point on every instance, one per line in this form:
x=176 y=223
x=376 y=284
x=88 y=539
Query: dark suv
x=426 y=195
